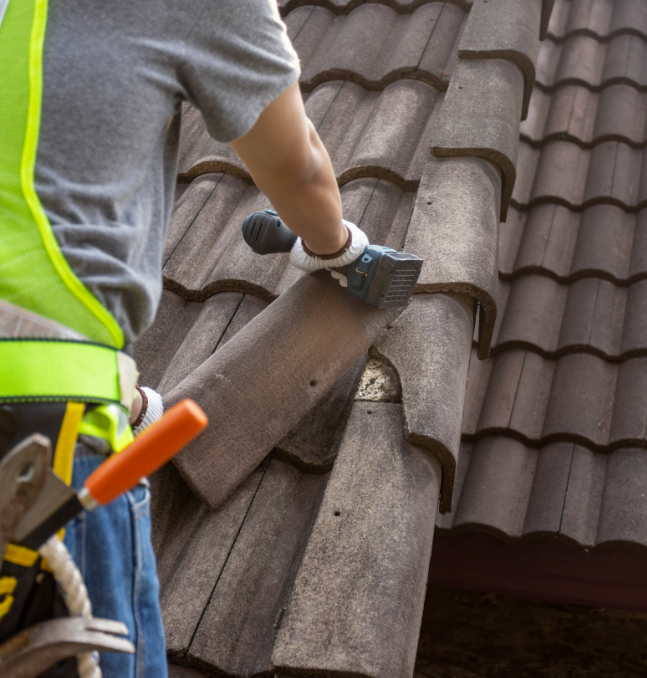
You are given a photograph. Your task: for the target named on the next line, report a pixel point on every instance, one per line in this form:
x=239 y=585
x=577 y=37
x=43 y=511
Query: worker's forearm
x=306 y=197
x=289 y=163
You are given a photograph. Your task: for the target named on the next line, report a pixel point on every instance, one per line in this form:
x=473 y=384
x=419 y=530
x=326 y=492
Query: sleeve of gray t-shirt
x=238 y=59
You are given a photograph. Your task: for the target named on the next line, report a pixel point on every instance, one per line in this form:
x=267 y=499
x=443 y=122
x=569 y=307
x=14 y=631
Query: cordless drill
x=381 y=276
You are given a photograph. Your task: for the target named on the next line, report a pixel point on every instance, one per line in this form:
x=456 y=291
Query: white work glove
x=152 y=409
x=302 y=260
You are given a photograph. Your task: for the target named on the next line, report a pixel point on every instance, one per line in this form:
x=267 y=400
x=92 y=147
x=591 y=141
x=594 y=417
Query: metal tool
x=58 y=503
x=23 y=471
x=381 y=277
x=35 y=649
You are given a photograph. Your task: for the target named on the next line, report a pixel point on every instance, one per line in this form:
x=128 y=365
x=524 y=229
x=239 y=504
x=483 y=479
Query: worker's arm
x=288 y=162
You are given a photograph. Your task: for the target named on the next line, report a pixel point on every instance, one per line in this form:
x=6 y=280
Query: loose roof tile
x=505 y=29
x=359 y=591
x=480 y=117
x=429 y=346
x=454 y=229
x=314 y=442
x=263 y=403
x=374 y=44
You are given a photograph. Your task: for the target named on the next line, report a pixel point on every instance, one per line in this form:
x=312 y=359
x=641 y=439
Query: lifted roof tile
x=270 y=377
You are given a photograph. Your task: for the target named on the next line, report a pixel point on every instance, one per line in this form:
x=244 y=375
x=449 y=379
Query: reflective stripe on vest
x=33 y=272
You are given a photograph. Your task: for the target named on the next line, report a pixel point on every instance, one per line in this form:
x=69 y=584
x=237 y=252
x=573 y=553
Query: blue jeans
x=112 y=548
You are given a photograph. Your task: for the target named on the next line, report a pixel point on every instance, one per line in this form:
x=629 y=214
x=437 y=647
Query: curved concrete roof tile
x=480 y=118
x=346 y=6
x=583 y=60
x=505 y=29
x=564 y=173
x=367 y=133
x=358 y=595
x=575 y=113
x=374 y=44
x=598 y=18
x=589 y=315
x=560 y=490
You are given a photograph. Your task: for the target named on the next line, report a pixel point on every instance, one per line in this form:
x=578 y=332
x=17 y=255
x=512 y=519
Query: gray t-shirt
x=114 y=76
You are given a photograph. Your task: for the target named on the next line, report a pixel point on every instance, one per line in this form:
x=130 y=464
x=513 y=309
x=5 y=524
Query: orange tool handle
x=150 y=450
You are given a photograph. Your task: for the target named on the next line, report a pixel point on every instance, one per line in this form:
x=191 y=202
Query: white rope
x=68 y=576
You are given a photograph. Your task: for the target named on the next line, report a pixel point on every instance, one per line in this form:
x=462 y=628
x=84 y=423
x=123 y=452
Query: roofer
x=90 y=97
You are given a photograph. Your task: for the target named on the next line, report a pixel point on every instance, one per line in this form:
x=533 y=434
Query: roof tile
x=504 y=29
x=374 y=45
x=156 y=347
x=236 y=633
x=345 y=6
x=627 y=423
x=623 y=514
x=567 y=114
x=532 y=399
x=593 y=317
x=453 y=228
x=581 y=399
x=429 y=346
x=541 y=326
x=546 y=501
x=201 y=338
x=583 y=60
x=210 y=256
x=548 y=241
x=360 y=587
x=634 y=330
x=629 y=16
x=383 y=134
x=480 y=117
x=192 y=545
x=270 y=378
x=590 y=16
x=312 y=444
x=497 y=486
x=581 y=513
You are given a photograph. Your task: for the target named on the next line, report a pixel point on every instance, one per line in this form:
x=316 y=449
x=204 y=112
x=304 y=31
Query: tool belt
x=59 y=388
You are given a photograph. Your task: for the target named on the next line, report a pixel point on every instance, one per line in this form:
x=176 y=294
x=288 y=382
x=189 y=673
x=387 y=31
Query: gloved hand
x=312 y=262
x=152 y=409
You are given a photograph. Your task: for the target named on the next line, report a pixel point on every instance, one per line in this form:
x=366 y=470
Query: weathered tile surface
x=554 y=423
x=554 y=433
x=357 y=600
